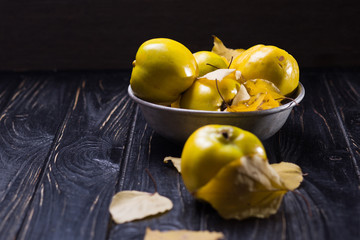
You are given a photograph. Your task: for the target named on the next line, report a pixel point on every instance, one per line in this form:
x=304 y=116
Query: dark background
x=105 y=34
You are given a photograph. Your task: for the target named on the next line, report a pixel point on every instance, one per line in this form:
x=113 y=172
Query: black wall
x=105 y=34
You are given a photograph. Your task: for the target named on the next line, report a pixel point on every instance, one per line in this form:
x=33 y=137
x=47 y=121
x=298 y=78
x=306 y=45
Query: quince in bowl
x=177 y=124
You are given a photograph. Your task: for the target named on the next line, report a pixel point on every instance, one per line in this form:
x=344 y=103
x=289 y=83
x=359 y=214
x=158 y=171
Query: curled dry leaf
x=228 y=53
x=218 y=74
x=247 y=187
x=175 y=161
x=182 y=235
x=262 y=85
x=290 y=174
x=127 y=206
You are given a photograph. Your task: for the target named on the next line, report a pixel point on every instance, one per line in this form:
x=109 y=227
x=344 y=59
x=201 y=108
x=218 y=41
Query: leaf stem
x=288 y=98
x=305 y=200
x=152 y=179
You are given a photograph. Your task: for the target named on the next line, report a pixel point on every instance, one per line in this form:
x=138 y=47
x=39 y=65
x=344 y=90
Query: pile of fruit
x=166 y=72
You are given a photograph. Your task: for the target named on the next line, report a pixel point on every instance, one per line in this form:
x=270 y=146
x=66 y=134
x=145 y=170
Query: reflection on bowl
x=177 y=124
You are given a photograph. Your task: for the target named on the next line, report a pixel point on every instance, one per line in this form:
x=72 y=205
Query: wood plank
x=82 y=170
x=28 y=123
x=147 y=151
x=345 y=88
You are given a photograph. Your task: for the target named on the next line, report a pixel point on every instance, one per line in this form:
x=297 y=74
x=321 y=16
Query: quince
x=162 y=70
x=208 y=61
x=212 y=147
x=270 y=63
x=211 y=92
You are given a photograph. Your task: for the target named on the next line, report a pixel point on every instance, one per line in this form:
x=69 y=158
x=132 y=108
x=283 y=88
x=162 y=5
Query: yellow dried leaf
x=258 y=101
x=269 y=102
x=253 y=104
x=175 y=161
x=182 y=235
x=228 y=53
x=290 y=174
x=257 y=86
x=263 y=95
x=127 y=206
x=247 y=187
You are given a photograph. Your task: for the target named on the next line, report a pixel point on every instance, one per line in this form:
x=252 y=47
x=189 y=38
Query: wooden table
x=70 y=140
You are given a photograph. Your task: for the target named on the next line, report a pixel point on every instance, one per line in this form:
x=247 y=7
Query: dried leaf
x=247 y=187
x=182 y=235
x=175 y=161
x=228 y=53
x=218 y=74
x=242 y=95
x=127 y=206
x=290 y=174
x=263 y=95
x=256 y=86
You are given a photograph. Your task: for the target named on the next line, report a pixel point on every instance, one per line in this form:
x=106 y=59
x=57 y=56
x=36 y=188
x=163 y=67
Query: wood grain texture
x=29 y=119
x=347 y=110
x=315 y=140
x=83 y=163
x=69 y=141
x=47 y=35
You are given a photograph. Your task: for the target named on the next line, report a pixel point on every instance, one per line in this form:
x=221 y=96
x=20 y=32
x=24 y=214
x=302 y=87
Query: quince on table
x=228 y=168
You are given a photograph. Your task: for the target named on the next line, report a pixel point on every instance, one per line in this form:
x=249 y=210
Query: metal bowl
x=177 y=124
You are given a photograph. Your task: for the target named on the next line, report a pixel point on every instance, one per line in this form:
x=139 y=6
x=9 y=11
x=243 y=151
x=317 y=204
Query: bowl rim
x=300 y=88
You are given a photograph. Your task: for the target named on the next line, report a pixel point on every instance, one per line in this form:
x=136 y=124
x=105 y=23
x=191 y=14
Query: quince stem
x=212 y=65
x=231 y=60
x=224 y=102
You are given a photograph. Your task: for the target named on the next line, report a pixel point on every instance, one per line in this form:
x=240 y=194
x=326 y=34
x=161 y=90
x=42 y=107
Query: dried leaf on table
x=247 y=187
x=127 y=206
x=175 y=161
x=290 y=174
x=182 y=235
